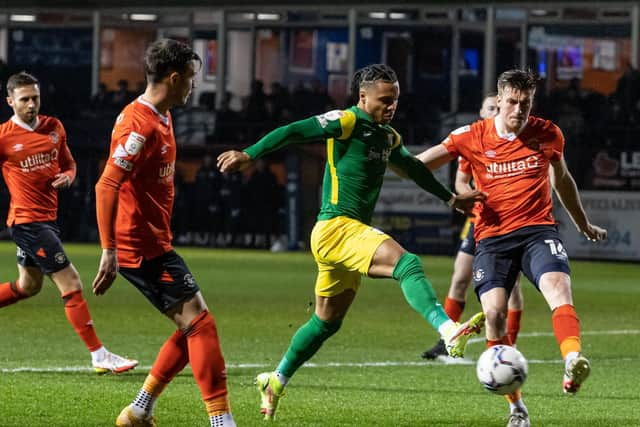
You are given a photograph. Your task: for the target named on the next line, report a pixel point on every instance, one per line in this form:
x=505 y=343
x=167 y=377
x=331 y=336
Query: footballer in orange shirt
x=463 y=265
x=36 y=163
x=134 y=200
x=515 y=159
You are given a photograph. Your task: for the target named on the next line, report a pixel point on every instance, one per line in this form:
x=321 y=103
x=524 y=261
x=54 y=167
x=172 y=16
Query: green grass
x=259 y=299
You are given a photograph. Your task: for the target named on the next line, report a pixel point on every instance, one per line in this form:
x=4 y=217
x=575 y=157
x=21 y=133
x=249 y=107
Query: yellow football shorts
x=343 y=248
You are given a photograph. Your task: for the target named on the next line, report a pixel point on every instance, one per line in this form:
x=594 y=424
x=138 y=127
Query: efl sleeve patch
x=329 y=116
x=134 y=143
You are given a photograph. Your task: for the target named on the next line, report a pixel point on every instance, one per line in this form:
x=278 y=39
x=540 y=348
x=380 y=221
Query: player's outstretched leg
x=457 y=335
x=271 y=390
x=454 y=309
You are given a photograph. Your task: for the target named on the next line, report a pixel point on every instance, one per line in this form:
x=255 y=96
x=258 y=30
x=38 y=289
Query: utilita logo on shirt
x=166 y=171
x=517 y=167
x=38 y=160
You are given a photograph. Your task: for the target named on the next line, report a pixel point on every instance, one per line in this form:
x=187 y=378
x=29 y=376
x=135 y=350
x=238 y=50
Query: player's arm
x=415 y=170
x=462 y=182
x=435 y=157
x=312 y=129
x=107 y=193
x=567 y=191
x=67 y=174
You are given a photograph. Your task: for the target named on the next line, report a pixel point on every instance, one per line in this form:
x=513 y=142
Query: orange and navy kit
x=138 y=182
x=512 y=169
x=30 y=160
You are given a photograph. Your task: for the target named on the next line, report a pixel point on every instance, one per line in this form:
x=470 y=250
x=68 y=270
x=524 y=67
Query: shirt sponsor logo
x=383 y=155
x=54 y=137
x=124 y=164
x=167 y=170
x=503 y=169
x=134 y=143
x=38 y=160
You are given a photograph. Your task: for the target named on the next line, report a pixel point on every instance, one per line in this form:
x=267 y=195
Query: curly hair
x=370 y=74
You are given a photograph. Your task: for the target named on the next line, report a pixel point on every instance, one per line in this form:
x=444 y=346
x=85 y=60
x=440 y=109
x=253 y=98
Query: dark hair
x=165 y=56
x=20 y=79
x=370 y=74
x=518 y=79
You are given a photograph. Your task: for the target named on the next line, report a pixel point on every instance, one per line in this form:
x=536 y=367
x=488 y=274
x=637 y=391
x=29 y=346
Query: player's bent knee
x=408 y=265
x=495 y=317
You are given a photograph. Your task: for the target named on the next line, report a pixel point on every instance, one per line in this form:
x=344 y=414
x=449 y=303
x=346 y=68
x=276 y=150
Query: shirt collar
x=17 y=120
x=510 y=136
x=164 y=118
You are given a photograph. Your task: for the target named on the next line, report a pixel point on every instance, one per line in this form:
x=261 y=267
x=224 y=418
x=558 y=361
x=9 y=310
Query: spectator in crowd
x=264 y=195
x=122 y=96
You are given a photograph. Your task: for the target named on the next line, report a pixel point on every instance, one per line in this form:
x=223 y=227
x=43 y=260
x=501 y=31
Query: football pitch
x=369 y=374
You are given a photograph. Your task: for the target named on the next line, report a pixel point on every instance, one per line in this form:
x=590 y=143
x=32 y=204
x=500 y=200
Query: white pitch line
x=440 y=362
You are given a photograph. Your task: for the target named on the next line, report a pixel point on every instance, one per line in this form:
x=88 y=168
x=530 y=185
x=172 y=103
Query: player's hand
x=61 y=181
x=594 y=233
x=107 y=272
x=232 y=160
x=464 y=202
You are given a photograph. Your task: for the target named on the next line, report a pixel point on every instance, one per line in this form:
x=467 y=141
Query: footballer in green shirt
x=360 y=145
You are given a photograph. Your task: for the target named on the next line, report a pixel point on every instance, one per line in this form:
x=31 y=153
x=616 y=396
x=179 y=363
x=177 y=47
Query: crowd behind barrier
x=217 y=210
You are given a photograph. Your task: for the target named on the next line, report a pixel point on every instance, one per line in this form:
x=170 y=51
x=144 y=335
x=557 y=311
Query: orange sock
x=206 y=358
x=566 y=327
x=218 y=405
x=75 y=307
x=504 y=341
x=453 y=308
x=513 y=397
x=513 y=324
x=10 y=293
x=153 y=386
x=171 y=359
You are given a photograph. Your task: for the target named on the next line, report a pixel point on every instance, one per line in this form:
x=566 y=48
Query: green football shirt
x=358 y=151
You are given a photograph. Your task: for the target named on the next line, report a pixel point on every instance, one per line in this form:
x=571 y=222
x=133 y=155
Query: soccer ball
x=502 y=369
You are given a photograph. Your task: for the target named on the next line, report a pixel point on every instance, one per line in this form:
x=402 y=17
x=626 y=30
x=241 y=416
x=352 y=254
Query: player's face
x=184 y=84
x=489 y=107
x=25 y=101
x=514 y=107
x=380 y=100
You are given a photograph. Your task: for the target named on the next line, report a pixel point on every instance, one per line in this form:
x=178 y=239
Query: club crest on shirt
x=490 y=154
x=54 y=137
x=134 y=143
x=18 y=147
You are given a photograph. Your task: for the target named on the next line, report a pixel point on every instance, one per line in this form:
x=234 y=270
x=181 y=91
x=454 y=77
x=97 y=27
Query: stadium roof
x=100 y=4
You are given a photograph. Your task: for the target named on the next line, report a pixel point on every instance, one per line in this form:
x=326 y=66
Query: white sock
x=224 y=420
x=445 y=326
x=142 y=405
x=283 y=380
x=99 y=354
x=519 y=405
x=570 y=357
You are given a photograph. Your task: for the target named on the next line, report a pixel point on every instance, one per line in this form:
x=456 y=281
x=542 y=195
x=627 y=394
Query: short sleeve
x=458 y=139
